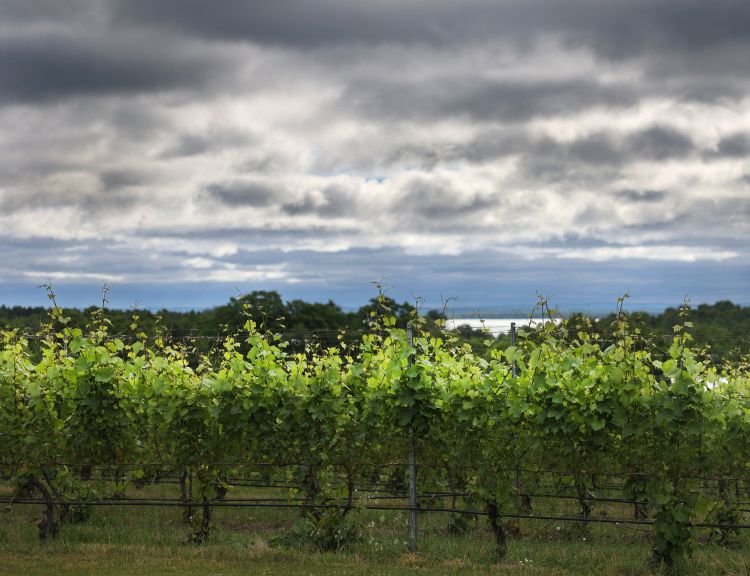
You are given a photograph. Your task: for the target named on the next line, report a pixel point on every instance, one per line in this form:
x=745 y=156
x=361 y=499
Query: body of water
x=493 y=325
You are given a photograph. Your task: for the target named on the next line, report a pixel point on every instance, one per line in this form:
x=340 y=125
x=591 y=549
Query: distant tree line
x=266 y=308
x=723 y=327
x=296 y=321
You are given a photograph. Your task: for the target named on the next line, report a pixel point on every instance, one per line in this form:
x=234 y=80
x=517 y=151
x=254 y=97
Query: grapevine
x=90 y=403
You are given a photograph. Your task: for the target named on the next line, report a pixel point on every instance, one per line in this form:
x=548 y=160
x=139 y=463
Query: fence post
x=513 y=343
x=412 y=467
x=524 y=500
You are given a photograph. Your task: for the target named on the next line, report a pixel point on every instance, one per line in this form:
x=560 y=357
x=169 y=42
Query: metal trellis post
x=412 y=468
x=513 y=343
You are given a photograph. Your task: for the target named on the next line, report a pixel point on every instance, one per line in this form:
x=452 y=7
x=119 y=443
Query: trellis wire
x=221 y=504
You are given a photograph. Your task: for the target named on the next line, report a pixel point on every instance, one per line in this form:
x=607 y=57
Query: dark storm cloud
x=92 y=200
x=283 y=21
x=197 y=143
x=593 y=158
x=48 y=11
x=616 y=28
x=599 y=157
x=330 y=201
x=659 y=143
x=612 y=149
x=620 y=29
x=598 y=151
x=246 y=193
x=41 y=68
x=34 y=66
x=483 y=99
x=689 y=40
x=436 y=201
x=734 y=146
x=123 y=178
x=424 y=201
x=691 y=50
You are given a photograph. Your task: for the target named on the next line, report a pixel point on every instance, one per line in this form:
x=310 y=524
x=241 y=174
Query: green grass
x=149 y=541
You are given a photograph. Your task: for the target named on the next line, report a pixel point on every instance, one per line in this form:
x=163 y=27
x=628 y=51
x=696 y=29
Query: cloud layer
x=273 y=145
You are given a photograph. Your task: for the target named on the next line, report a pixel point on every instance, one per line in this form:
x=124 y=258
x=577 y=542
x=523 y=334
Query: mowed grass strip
x=219 y=560
x=131 y=541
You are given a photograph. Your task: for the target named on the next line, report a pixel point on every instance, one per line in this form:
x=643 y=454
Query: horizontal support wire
x=223 y=504
x=124 y=466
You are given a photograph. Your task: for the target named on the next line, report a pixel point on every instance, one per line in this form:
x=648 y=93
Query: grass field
x=149 y=541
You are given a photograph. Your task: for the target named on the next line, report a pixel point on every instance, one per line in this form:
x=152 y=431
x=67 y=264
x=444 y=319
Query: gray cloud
x=734 y=146
x=600 y=151
x=90 y=197
x=210 y=141
x=660 y=143
x=591 y=160
x=27 y=13
x=598 y=158
x=245 y=193
x=435 y=202
x=331 y=201
x=123 y=178
x=641 y=195
x=697 y=52
x=613 y=28
x=46 y=67
x=251 y=232
x=282 y=22
x=483 y=99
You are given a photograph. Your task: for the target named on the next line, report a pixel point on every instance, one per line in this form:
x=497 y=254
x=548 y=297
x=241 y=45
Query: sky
x=485 y=150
